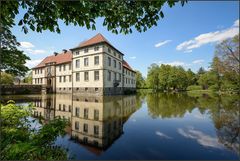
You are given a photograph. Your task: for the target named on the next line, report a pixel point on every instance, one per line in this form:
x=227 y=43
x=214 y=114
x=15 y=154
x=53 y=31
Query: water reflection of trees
x=223 y=110
x=169 y=105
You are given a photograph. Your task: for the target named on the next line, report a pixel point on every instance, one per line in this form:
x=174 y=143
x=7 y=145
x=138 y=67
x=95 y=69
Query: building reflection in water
x=96 y=122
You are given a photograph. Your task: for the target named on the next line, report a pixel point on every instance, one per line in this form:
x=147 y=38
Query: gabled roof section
x=126 y=65
x=58 y=59
x=97 y=39
x=94 y=40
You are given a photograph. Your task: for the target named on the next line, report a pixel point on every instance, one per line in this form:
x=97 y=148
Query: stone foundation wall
x=64 y=90
x=21 y=89
x=98 y=91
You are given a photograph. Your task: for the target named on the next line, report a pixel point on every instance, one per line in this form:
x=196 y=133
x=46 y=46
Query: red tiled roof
x=58 y=59
x=94 y=40
x=126 y=65
x=99 y=38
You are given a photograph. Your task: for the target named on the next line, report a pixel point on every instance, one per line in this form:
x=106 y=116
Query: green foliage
x=20 y=141
x=207 y=79
x=168 y=77
x=194 y=87
x=119 y=16
x=6 y=78
x=28 y=78
x=140 y=81
x=152 y=76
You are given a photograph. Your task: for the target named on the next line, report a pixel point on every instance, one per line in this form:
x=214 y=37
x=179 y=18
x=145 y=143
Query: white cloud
x=188 y=51
x=210 y=37
x=32 y=63
x=35 y=52
x=132 y=57
x=163 y=135
x=162 y=43
x=174 y=63
x=236 y=23
x=26 y=45
x=199 y=61
x=200 y=137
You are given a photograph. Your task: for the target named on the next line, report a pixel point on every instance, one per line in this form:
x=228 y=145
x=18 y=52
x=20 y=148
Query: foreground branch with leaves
x=21 y=141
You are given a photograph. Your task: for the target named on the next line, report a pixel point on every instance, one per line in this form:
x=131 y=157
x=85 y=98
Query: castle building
x=93 y=67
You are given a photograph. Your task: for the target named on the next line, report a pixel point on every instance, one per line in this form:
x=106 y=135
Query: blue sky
x=185 y=36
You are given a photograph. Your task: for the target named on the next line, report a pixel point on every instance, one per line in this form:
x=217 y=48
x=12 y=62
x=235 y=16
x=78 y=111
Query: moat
x=143 y=126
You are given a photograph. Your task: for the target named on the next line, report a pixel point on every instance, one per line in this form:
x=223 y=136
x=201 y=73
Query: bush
x=21 y=142
x=213 y=87
x=194 y=87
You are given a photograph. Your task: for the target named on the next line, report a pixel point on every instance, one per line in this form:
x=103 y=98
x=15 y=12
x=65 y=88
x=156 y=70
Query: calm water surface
x=144 y=126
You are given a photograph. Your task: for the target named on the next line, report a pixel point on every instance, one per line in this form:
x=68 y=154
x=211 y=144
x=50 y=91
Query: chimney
x=64 y=50
x=55 y=53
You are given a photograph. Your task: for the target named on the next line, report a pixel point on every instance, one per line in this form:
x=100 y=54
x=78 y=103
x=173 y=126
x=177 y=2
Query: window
x=69 y=108
x=77 y=110
x=96 y=130
x=115 y=76
x=70 y=66
x=85 y=61
x=77 y=52
x=96 y=60
x=109 y=50
x=85 y=113
x=85 y=127
x=86 y=89
x=35 y=71
x=96 y=48
x=86 y=76
x=77 y=63
x=60 y=78
x=126 y=80
x=76 y=125
x=115 y=63
x=86 y=50
x=64 y=67
x=114 y=53
x=96 y=114
x=109 y=61
x=119 y=77
x=41 y=71
x=77 y=77
x=70 y=78
x=109 y=75
x=96 y=89
x=64 y=78
x=60 y=68
x=64 y=107
x=119 y=56
x=96 y=75
x=60 y=107
x=120 y=65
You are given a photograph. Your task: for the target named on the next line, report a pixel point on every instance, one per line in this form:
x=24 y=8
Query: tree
x=6 y=78
x=21 y=140
x=140 y=81
x=164 y=74
x=28 y=78
x=207 y=79
x=227 y=60
x=153 y=77
x=119 y=17
x=191 y=77
x=201 y=71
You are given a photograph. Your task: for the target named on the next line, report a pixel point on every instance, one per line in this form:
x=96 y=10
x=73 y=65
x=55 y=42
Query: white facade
x=97 y=67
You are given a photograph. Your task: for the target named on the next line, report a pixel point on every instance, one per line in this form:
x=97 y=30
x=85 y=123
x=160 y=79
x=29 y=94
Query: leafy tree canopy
x=119 y=16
